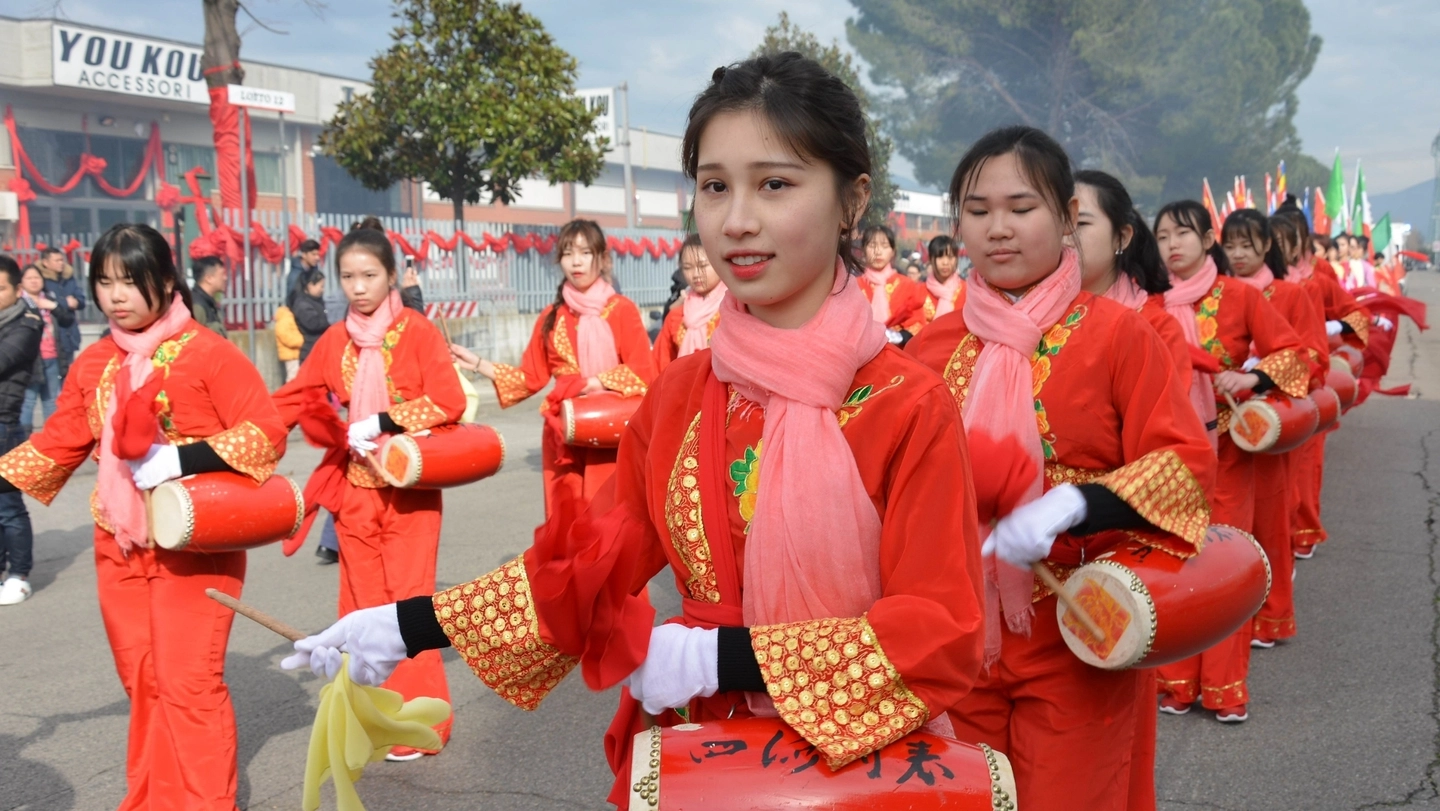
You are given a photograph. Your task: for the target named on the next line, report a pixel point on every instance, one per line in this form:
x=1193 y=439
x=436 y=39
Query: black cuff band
x=1105 y=510
x=1265 y=383
x=1346 y=329
x=388 y=425
x=7 y=487
x=419 y=627
x=200 y=457
x=736 y=665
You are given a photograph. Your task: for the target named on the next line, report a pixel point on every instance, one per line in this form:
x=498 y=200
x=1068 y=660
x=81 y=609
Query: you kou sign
x=121 y=63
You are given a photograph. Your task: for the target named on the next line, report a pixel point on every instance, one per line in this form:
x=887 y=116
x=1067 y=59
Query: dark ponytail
x=1193 y=215
x=1140 y=259
x=1254 y=227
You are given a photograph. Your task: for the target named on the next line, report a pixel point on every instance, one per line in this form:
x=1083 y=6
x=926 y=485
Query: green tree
x=1161 y=92
x=472 y=97
x=783 y=36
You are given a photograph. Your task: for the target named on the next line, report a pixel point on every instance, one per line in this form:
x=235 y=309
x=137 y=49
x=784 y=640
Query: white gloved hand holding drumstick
x=370 y=635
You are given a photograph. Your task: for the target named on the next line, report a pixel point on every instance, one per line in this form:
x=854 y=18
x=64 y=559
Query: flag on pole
x=1360 y=221
x=1319 y=219
x=1380 y=235
x=1269 y=195
x=1335 y=198
x=1208 y=199
x=1280 y=185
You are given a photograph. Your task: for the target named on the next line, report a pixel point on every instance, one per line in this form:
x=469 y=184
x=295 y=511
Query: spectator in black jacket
x=20 y=331
x=307 y=302
x=209 y=276
x=307 y=260
x=55 y=269
x=46 y=299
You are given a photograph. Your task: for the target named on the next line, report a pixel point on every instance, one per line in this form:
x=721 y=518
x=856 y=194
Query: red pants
x=1067 y=727
x=1307 y=477
x=168 y=640
x=1142 y=751
x=389 y=539
x=1276 y=619
x=1217 y=676
x=580 y=475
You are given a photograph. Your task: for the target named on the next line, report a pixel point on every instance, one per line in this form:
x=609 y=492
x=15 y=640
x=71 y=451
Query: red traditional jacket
x=672 y=334
x=1294 y=304
x=913 y=654
x=932 y=301
x=424 y=389
x=1335 y=302
x=1235 y=316
x=1170 y=333
x=553 y=355
x=212 y=393
x=907 y=302
x=1110 y=410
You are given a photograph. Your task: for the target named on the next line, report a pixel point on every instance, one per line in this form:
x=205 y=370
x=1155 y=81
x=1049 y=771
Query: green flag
x=1380 y=234
x=1359 y=203
x=1335 y=197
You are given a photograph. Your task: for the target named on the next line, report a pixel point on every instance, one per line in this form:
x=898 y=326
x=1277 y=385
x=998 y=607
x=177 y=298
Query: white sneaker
x=15 y=591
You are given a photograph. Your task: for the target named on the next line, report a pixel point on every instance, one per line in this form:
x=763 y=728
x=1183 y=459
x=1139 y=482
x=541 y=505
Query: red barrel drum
x=1156 y=608
x=224 y=512
x=1274 y=422
x=760 y=763
x=1352 y=356
x=448 y=456
x=1327 y=403
x=1343 y=383
x=597 y=420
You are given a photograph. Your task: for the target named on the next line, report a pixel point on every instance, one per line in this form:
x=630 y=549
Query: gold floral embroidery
x=1163 y=490
x=560 y=339
x=929 y=309
x=361 y=474
x=623 y=380
x=510 y=386
x=350 y=358
x=246 y=449
x=1288 y=370
x=1206 y=320
x=95 y=414
x=1360 y=324
x=1057 y=474
x=831 y=681
x=684 y=521
x=609 y=308
x=960 y=370
x=33 y=473
x=855 y=403
x=418 y=414
x=493 y=626
x=1040 y=363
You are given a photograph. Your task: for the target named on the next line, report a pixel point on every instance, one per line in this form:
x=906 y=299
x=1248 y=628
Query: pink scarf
x=814 y=545
x=696 y=315
x=596 y=352
x=1001 y=405
x=1261 y=279
x=944 y=293
x=1180 y=302
x=1127 y=293
x=879 y=296
x=369 y=395
x=120 y=502
x=1302 y=271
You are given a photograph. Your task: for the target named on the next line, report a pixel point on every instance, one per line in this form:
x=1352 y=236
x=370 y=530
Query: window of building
x=184 y=157
x=336 y=192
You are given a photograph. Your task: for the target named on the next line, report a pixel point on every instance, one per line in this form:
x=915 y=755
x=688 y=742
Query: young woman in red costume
x=896 y=300
x=1223 y=317
x=1256 y=259
x=390 y=367
x=944 y=289
x=1344 y=319
x=687 y=328
x=1075 y=396
x=862 y=532
x=591 y=339
x=158 y=398
x=1120 y=260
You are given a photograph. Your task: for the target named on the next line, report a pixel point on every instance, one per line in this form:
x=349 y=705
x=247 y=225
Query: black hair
x=1288 y=226
x=878 y=230
x=691 y=242
x=1140 y=258
x=1362 y=239
x=202 y=267
x=47 y=251
x=1043 y=163
x=370 y=223
x=11 y=269
x=1254 y=227
x=145 y=258
x=942 y=245
x=812 y=112
x=1193 y=215
x=309 y=245
x=370 y=241
x=570 y=233
x=302 y=288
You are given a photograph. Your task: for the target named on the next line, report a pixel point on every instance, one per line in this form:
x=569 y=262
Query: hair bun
x=719 y=75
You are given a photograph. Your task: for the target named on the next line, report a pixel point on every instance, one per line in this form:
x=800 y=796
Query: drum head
x=400 y=461
x=172 y=516
x=1120 y=604
x=1255 y=426
x=567 y=417
x=1002 y=776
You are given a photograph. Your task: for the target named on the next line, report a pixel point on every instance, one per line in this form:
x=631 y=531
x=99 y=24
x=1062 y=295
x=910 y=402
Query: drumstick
x=444 y=327
x=1230 y=401
x=1053 y=583
x=375 y=464
x=258 y=616
x=149 y=520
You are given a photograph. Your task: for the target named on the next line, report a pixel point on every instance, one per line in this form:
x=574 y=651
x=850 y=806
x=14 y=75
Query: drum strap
x=713 y=492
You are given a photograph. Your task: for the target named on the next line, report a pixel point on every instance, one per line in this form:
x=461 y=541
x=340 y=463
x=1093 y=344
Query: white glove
x=1384 y=323
x=894 y=336
x=1250 y=363
x=363 y=432
x=372 y=638
x=682 y=663
x=1026 y=535
x=160 y=465
x=1333 y=328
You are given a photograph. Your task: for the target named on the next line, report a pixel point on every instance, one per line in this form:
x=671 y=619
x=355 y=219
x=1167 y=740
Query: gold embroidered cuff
x=1288 y=370
x=418 y=414
x=33 y=473
x=1162 y=489
x=493 y=626
x=831 y=682
x=621 y=379
x=361 y=474
x=246 y=449
x=510 y=385
x=1360 y=324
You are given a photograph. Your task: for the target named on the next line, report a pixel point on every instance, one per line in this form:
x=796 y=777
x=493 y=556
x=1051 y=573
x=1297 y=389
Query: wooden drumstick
x=1229 y=400
x=261 y=617
x=149 y=520
x=444 y=326
x=375 y=464
x=1053 y=583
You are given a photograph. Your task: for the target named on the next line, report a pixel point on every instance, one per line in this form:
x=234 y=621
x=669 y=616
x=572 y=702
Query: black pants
x=17 y=540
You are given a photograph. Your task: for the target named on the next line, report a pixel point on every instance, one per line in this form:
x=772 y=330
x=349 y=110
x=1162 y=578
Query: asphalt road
x=1342 y=717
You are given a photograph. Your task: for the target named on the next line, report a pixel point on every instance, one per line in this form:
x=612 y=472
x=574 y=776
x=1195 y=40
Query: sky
x=1374 y=92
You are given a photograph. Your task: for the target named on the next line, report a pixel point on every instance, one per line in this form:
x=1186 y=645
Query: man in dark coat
x=20 y=329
